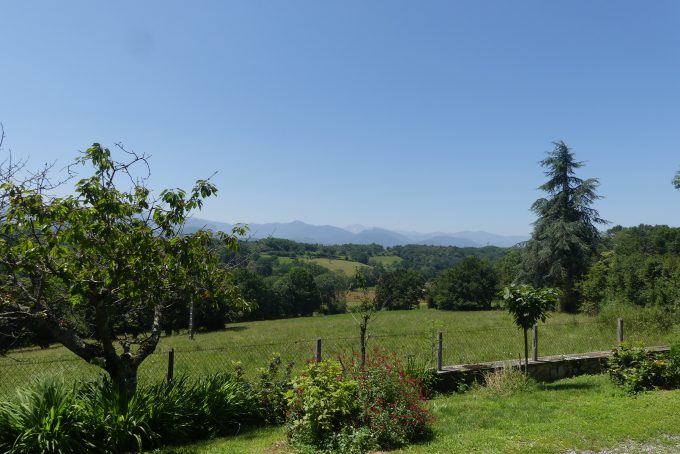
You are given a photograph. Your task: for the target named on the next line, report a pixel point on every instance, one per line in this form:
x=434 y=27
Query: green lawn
x=469 y=337
x=583 y=413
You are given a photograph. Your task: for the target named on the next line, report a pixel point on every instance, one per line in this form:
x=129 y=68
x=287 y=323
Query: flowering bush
x=392 y=401
x=355 y=409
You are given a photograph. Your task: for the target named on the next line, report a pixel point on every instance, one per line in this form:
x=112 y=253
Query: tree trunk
x=526 y=352
x=123 y=373
x=568 y=299
x=362 y=340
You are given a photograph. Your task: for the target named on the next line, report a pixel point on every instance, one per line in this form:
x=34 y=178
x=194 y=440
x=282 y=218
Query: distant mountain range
x=358 y=234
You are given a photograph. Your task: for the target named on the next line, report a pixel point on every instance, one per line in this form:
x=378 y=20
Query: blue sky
x=416 y=115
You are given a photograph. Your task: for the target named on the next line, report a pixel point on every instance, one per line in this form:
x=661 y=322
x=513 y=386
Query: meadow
x=468 y=337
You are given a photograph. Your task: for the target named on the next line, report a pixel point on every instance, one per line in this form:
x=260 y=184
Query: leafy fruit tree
x=528 y=306
x=77 y=266
x=565 y=235
x=469 y=285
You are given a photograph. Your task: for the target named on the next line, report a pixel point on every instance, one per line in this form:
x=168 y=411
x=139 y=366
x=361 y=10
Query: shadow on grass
x=568 y=386
x=235 y=328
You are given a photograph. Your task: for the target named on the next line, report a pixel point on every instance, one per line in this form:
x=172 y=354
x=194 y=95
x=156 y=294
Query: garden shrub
x=321 y=402
x=392 y=401
x=358 y=409
x=271 y=388
x=636 y=369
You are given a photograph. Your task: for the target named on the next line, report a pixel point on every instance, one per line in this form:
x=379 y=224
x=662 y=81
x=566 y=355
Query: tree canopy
x=565 y=235
x=470 y=285
x=80 y=266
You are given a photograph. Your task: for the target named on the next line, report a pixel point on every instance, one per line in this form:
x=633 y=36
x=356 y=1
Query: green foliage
x=528 y=305
x=400 y=289
x=323 y=401
x=377 y=405
x=651 y=319
x=505 y=382
x=640 y=266
x=271 y=389
x=392 y=401
x=226 y=403
x=118 y=422
x=298 y=292
x=565 y=236
x=636 y=369
x=96 y=268
x=432 y=260
x=470 y=285
x=47 y=418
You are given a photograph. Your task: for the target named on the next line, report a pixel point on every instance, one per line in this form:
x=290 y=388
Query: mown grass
x=581 y=413
x=469 y=337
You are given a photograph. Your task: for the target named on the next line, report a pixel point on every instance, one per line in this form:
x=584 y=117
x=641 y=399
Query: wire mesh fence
x=416 y=349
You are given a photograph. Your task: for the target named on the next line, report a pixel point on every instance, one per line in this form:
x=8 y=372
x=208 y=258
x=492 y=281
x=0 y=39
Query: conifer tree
x=565 y=235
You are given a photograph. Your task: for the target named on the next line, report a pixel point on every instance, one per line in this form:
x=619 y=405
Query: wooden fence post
x=440 y=350
x=317 y=352
x=171 y=364
x=534 y=350
x=619 y=330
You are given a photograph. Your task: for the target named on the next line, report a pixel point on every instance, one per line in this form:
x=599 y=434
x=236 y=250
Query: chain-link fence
x=416 y=350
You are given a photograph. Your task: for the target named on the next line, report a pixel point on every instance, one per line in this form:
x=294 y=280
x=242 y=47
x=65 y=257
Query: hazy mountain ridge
x=327 y=234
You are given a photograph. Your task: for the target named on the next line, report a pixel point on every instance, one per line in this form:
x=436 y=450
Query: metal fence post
x=171 y=364
x=619 y=330
x=440 y=350
x=317 y=352
x=534 y=350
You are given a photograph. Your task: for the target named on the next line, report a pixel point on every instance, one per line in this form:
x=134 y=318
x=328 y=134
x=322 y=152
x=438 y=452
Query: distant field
x=343 y=266
x=469 y=337
x=385 y=260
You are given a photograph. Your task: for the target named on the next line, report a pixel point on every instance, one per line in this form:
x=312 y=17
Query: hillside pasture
x=346 y=267
x=469 y=337
x=385 y=260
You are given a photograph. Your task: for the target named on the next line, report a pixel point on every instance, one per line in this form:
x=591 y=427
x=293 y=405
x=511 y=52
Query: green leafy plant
x=46 y=418
x=321 y=402
x=271 y=388
x=392 y=401
x=636 y=369
x=120 y=423
x=226 y=403
x=528 y=306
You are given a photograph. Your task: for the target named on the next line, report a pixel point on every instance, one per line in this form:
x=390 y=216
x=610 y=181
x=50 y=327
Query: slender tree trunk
x=526 y=352
x=362 y=334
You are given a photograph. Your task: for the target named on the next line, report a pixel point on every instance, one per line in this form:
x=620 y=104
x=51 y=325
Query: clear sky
x=413 y=115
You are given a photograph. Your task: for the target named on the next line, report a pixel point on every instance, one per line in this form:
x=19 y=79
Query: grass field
x=582 y=413
x=343 y=266
x=385 y=260
x=469 y=337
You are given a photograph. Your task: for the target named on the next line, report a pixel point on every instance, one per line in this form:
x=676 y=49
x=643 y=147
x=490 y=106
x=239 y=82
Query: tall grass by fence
x=418 y=349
